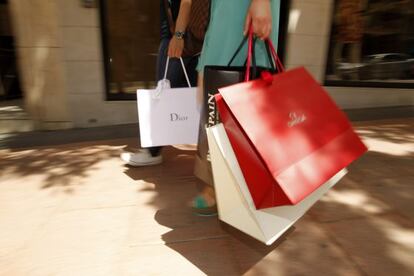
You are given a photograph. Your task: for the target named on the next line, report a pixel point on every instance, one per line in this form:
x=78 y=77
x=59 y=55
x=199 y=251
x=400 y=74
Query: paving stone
x=76 y=209
x=380 y=245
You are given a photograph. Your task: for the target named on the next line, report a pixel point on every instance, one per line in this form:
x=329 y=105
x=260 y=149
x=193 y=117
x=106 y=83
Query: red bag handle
x=249 y=54
x=275 y=56
x=273 y=52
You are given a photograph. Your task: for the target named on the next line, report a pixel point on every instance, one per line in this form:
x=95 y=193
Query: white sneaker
x=141 y=158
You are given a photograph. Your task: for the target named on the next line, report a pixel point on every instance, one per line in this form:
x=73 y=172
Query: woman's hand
x=260 y=17
x=176 y=47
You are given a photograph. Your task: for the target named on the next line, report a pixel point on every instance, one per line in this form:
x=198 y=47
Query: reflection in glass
x=372 y=41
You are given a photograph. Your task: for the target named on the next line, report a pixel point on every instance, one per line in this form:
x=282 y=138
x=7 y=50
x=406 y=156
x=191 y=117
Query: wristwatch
x=179 y=35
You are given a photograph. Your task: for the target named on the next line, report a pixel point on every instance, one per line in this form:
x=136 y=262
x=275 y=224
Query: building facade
x=80 y=61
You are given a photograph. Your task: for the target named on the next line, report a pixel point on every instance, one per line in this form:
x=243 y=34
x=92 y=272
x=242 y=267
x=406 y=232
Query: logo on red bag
x=296 y=119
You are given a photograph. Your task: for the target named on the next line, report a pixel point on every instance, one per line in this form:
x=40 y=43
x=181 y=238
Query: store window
x=372 y=44
x=130 y=39
x=131 y=33
x=9 y=76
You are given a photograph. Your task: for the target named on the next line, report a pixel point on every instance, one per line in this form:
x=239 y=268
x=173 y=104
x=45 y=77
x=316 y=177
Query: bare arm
x=176 y=46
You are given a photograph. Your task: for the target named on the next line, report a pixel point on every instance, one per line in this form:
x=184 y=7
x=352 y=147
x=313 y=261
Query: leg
x=161 y=62
x=337 y=56
x=162 y=58
x=355 y=52
x=152 y=155
x=202 y=168
x=176 y=75
x=155 y=151
x=355 y=56
x=204 y=203
x=191 y=65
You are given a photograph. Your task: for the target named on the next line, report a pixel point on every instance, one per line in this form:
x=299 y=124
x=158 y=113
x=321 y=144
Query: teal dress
x=223 y=37
x=225 y=33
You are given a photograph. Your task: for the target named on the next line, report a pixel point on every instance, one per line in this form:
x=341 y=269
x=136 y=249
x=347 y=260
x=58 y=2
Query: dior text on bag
x=168 y=116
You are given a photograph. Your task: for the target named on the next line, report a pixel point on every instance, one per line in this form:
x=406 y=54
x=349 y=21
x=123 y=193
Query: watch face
x=179 y=35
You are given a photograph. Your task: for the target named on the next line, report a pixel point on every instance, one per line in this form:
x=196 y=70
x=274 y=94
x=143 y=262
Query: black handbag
x=216 y=77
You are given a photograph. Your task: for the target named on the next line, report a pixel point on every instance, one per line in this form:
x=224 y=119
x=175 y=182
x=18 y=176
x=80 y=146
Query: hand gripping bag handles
x=216 y=77
x=288 y=135
x=168 y=116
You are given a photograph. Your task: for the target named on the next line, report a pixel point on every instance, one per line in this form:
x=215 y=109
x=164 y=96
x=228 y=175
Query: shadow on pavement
x=60 y=167
x=212 y=246
x=363 y=226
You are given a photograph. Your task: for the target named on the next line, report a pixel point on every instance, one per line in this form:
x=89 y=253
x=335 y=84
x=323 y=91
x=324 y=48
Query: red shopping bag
x=288 y=135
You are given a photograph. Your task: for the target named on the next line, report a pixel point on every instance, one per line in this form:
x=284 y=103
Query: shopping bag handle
x=184 y=70
x=165 y=83
x=245 y=38
x=250 y=54
x=279 y=64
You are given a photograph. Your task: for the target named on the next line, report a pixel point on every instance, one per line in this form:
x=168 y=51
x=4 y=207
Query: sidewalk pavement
x=75 y=209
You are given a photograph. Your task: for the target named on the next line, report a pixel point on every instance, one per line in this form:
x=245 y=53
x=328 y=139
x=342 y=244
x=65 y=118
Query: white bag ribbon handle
x=182 y=65
x=164 y=82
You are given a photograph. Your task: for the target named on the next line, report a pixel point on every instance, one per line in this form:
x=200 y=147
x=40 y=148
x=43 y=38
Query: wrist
x=179 y=34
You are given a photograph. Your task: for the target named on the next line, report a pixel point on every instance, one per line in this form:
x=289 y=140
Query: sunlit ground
x=77 y=210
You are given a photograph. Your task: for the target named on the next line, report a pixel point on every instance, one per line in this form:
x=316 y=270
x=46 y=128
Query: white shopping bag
x=168 y=116
x=234 y=202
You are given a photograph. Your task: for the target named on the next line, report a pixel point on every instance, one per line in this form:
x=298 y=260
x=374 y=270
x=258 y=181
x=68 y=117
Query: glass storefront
x=372 y=44
x=9 y=77
x=130 y=38
x=130 y=32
